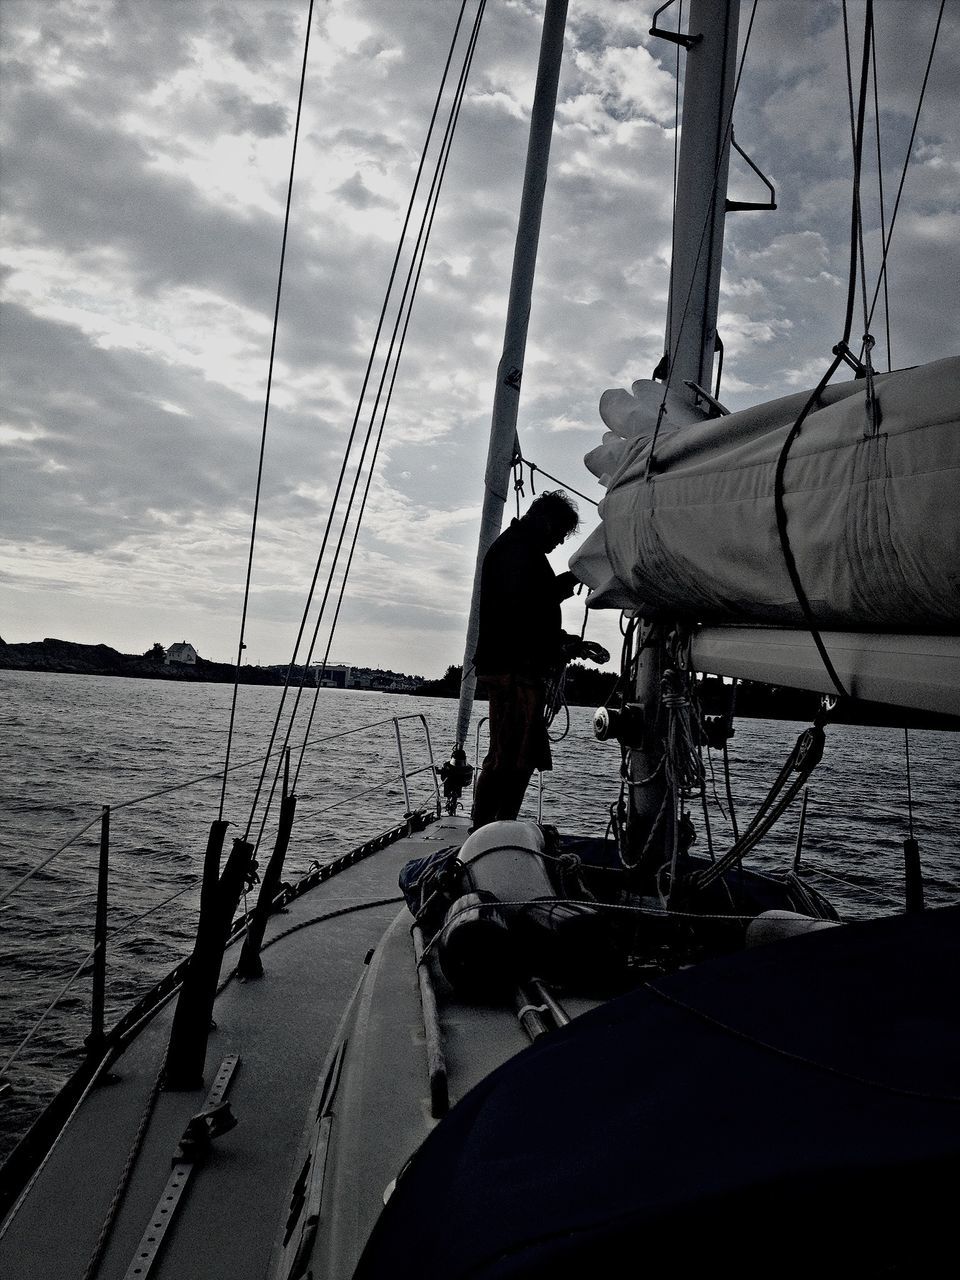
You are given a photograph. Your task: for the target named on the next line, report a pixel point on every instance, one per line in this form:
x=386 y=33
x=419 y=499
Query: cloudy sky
x=146 y=153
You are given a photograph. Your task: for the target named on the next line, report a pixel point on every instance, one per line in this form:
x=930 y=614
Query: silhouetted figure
x=520 y=643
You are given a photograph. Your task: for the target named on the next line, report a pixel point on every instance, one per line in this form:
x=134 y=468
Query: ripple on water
x=92 y=741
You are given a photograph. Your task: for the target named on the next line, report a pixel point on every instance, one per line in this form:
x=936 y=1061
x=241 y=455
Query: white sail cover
x=873 y=518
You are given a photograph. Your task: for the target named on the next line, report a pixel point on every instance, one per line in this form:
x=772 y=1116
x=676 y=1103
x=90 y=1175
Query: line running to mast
x=356 y=419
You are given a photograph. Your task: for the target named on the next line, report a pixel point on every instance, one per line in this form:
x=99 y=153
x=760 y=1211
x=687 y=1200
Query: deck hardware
x=298 y=1197
x=849 y=359
x=201 y=1131
x=549 y=1001
x=803 y=822
x=403 y=771
x=744 y=206
x=675 y=37
x=456 y=775
x=436 y=1062
x=185 y=1160
x=219 y=896
x=712 y=401
x=530 y=1015
x=94 y=1043
x=250 y=965
x=914 y=875
x=626 y=723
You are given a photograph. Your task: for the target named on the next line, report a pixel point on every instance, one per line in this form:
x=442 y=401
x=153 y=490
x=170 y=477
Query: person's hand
x=595 y=652
x=567 y=583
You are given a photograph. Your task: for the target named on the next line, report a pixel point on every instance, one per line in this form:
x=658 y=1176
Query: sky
x=146 y=150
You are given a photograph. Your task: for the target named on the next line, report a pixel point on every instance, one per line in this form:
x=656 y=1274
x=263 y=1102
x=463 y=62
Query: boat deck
x=282 y=1026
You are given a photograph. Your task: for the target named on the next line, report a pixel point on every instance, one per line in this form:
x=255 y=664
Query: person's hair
x=559 y=509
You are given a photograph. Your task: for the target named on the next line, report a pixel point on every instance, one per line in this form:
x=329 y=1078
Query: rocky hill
x=100 y=660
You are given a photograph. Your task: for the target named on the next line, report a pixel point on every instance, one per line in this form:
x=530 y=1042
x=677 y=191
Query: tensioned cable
x=412 y=278
x=356 y=419
x=49 y=1009
x=778 y=482
x=401 y=325
x=906 y=160
x=556 y=479
x=115 y=933
x=856 y=132
x=676 y=165
x=883 y=215
x=7 y=893
x=266 y=413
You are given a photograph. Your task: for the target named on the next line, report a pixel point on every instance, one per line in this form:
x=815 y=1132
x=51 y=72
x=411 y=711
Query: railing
x=97 y=956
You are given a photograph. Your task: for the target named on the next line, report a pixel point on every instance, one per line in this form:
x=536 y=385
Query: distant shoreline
x=585 y=687
x=64 y=657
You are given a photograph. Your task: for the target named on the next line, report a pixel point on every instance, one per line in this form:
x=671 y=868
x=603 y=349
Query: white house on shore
x=182 y=652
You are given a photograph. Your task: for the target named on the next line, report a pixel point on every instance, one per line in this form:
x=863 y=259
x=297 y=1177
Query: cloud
x=146 y=159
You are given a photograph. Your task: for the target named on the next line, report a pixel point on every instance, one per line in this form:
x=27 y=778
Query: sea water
x=72 y=744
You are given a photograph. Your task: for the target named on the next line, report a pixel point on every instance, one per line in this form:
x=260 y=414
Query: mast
x=503 y=428
x=690 y=343
x=701 y=193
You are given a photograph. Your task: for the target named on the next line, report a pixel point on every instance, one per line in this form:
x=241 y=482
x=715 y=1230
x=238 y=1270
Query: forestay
x=872 y=517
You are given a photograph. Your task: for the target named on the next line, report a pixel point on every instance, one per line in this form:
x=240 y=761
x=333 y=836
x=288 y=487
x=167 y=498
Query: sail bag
x=872 y=514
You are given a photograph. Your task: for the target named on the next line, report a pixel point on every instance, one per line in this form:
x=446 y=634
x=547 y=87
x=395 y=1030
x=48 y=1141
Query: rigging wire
x=520 y=460
x=883 y=217
x=839 y=349
x=856 y=139
x=906 y=159
x=356 y=420
x=386 y=407
x=266 y=413
x=401 y=325
x=676 y=169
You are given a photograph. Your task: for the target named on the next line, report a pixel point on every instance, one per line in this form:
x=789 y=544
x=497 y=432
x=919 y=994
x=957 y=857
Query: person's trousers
x=518 y=745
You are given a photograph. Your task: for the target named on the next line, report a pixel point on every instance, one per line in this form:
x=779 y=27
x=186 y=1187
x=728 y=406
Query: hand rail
x=416 y=715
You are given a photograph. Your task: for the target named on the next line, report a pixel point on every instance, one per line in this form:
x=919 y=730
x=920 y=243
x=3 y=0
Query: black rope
x=352 y=435
x=266 y=412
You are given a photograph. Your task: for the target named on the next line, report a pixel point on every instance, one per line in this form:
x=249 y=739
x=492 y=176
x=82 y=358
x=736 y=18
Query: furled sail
x=873 y=516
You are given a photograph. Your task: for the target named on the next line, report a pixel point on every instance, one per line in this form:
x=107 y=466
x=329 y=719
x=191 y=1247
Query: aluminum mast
x=503 y=428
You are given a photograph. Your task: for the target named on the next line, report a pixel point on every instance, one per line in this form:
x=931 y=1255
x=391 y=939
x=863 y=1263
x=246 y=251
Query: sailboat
x=564 y=1052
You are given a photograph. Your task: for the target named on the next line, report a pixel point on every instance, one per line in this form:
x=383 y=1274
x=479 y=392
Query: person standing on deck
x=520 y=642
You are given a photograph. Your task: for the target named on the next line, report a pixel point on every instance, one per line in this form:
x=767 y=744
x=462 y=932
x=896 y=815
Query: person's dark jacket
x=520 y=631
